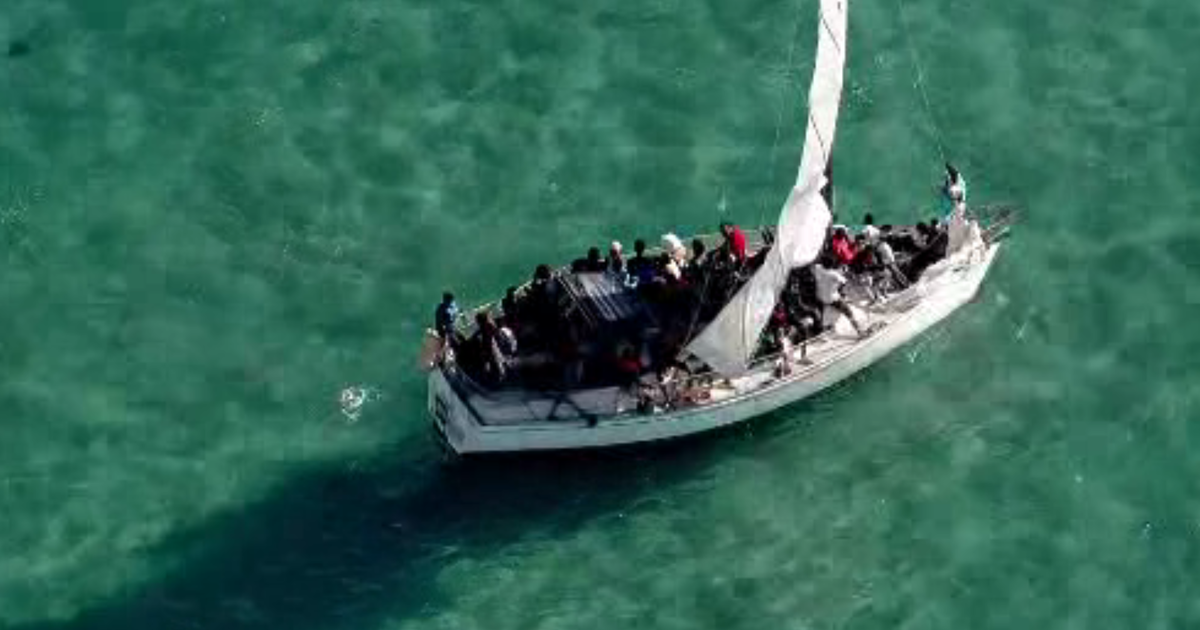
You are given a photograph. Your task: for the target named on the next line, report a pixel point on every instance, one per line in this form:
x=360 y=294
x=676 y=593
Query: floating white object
x=352 y=400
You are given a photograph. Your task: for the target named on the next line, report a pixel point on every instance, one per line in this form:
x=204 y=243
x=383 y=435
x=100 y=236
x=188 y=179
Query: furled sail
x=728 y=342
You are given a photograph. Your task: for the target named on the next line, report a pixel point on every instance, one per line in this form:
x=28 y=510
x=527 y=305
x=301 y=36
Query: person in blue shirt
x=641 y=267
x=444 y=318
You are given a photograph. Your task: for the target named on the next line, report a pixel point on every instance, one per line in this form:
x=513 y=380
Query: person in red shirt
x=629 y=366
x=735 y=241
x=841 y=246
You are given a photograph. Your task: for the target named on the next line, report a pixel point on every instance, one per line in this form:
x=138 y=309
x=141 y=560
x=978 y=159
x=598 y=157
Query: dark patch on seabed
x=336 y=543
x=19 y=48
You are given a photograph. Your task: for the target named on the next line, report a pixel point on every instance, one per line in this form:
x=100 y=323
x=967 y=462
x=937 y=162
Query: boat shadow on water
x=368 y=544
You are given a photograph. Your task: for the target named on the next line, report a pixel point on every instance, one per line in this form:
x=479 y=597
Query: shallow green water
x=215 y=215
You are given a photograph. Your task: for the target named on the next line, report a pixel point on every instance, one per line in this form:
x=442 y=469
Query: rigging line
x=688 y=338
x=783 y=98
x=912 y=49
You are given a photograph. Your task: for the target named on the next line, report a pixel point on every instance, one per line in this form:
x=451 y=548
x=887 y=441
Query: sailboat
x=726 y=376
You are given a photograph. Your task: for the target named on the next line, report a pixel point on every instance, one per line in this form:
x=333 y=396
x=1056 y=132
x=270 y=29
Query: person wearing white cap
x=618 y=267
x=674 y=246
x=616 y=261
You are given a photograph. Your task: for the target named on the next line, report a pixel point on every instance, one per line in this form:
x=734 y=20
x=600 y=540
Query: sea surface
x=216 y=215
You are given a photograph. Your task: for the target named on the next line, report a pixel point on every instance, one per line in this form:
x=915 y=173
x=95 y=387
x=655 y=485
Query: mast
x=728 y=342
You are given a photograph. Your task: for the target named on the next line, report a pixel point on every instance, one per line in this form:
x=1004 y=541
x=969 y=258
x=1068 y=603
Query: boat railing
x=995 y=220
x=471 y=393
x=689 y=390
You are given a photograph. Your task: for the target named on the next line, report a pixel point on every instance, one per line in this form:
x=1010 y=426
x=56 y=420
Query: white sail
x=729 y=341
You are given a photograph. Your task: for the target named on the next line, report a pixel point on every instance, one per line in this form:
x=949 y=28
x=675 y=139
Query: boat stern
x=450 y=418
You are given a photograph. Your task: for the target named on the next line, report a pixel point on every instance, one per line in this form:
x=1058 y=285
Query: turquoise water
x=216 y=215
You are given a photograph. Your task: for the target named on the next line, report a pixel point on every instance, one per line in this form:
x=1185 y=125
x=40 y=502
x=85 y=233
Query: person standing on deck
x=959 y=229
x=829 y=292
x=841 y=246
x=954 y=190
x=697 y=265
x=495 y=363
x=640 y=266
x=674 y=246
x=699 y=255
x=444 y=318
x=510 y=310
x=617 y=266
x=869 y=231
x=735 y=242
x=592 y=264
x=887 y=258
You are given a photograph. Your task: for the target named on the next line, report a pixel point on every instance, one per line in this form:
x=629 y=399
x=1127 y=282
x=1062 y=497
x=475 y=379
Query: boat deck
x=509 y=407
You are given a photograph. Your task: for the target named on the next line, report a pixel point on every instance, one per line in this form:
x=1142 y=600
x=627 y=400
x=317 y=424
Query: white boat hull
x=943 y=289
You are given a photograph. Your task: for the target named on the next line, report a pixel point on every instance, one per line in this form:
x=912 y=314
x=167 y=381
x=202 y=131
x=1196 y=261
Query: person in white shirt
x=954 y=186
x=829 y=292
x=869 y=231
x=959 y=228
x=887 y=258
x=672 y=245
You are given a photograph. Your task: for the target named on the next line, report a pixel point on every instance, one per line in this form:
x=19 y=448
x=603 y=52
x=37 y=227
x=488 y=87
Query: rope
x=937 y=132
x=783 y=99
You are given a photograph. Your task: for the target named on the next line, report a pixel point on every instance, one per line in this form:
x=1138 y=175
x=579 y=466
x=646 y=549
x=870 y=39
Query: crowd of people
x=681 y=285
x=686 y=287
x=878 y=260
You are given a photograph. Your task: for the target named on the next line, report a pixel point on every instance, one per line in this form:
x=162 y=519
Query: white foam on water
x=354 y=399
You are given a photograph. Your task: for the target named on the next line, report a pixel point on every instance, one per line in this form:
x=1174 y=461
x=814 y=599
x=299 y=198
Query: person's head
x=672 y=244
x=886 y=229
x=840 y=232
x=868 y=219
x=615 y=249
x=697 y=248
x=727 y=228
x=483 y=318
x=542 y=273
x=922 y=228
x=593 y=254
x=639 y=247
x=447 y=298
x=511 y=293
x=951 y=172
x=935 y=224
